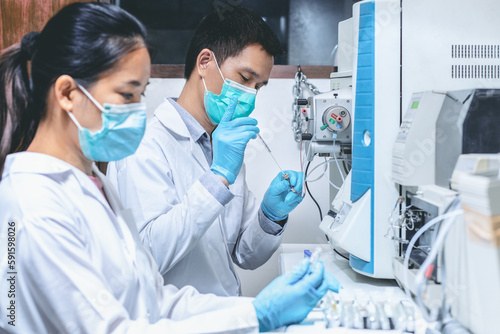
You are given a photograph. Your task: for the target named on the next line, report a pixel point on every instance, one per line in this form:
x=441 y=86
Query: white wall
x=273 y=111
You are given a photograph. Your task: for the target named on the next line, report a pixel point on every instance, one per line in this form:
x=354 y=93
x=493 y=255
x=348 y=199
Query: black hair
x=83 y=40
x=229 y=34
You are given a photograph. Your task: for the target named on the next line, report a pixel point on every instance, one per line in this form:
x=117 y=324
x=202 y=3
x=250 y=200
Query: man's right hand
x=229 y=141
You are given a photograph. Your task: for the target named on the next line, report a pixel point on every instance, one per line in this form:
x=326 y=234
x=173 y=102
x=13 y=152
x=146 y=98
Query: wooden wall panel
x=19 y=17
x=278 y=71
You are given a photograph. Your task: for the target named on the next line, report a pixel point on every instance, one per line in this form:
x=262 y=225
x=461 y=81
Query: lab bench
x=291 y=254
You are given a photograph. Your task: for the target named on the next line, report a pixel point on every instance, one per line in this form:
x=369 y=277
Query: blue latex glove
x=289 y=298
x=229 y=142
x=279 y=199
x=333 y=283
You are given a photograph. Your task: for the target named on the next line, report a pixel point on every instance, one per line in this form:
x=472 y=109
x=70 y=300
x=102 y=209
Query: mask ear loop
x=70 y=114
x=203 y=79
x=218 y=68
x=217 y=64
x=91 y=98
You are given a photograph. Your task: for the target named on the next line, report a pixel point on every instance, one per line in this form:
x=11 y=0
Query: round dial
x=336 y=119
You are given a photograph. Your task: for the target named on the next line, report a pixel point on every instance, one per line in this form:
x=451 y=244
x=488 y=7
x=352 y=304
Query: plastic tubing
x=419 y=278
x=414 y=240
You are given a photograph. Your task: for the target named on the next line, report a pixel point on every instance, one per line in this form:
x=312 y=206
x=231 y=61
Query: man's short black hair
x=227 y=35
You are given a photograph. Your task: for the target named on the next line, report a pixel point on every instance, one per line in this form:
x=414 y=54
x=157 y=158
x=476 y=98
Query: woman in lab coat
x=71 y=259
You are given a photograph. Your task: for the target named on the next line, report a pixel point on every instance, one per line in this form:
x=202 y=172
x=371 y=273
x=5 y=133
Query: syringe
x=285 y=176
x=269 y=150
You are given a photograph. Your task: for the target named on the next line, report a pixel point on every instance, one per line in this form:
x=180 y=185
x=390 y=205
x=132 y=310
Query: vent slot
x=478 y=51
x=475 y=71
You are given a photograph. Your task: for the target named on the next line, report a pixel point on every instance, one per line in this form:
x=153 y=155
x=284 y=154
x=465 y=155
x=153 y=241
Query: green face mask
x=216 y=105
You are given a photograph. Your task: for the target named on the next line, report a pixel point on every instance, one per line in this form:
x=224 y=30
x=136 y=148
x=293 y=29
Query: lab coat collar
x=44 y=164
x=36 y=163
x=171 y=119
x=195 y=129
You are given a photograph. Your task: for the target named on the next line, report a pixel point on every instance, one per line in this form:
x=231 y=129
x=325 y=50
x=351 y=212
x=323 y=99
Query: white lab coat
x=194 y=239
x=80 y=266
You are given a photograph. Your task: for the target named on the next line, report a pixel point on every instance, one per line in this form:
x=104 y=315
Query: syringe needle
x=284 y=175
x=269 y=150
x=277 y=164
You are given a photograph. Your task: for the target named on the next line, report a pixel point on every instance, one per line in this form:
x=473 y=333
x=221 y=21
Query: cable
x=317 y=166
x=300 y=157
x=337 y=162
x=328 y=177
x=414 y=240
x=335 y=250
x=319 y=208
x=309 y=192
x=306 y=186
x=329 y=181
x=420 y=277
x=320 y=175
x=341 y=255
x=302 y=164
x=345 y=167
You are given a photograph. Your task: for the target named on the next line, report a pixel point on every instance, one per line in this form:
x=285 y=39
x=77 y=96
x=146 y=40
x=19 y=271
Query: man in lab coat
x=186 y=182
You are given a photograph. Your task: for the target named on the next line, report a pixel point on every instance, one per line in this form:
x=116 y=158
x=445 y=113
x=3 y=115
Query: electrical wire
x=337 y=162
x=306 y=186
x=330 y=181
x=312 y=197
x=321 y=216
x=321 y=175
x=317 y=166
x=420 y=277
x=345 y=167
x=302 y=165
x=341 y=255
x=335 y=250
x=300 y=157
x=414 y=240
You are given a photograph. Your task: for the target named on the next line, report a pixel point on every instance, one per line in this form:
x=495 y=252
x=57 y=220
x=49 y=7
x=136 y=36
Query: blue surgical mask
x=123 y=127
x=216 y=105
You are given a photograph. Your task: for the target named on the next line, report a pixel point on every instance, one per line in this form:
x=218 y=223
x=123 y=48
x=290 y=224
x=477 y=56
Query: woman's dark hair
x=229 y=34
x=83 y=40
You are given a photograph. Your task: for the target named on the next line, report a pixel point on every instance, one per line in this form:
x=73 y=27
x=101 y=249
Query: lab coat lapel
x=139 y=256
x=198 y=154
x=115 y=204
x=171 y=119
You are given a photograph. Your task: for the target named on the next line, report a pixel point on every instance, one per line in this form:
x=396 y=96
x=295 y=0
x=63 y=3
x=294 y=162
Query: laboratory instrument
x=358 y=213
x=394 y=54
x=322 y=123
x=471 y=251
x=326 y=122
x=438 y=127
x=419 y=100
